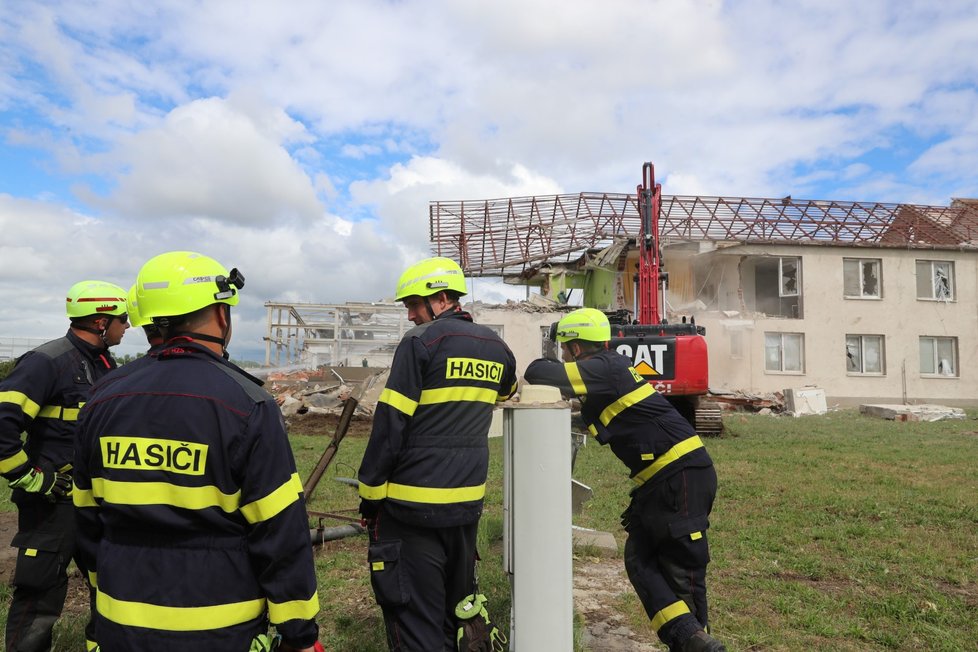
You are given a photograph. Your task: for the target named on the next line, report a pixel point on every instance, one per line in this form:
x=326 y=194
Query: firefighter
x=666 y=552
x=192 y=523
x=41 y=397
x=423 y=474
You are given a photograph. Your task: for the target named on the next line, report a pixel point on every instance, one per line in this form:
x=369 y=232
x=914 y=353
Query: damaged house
x=872 y=302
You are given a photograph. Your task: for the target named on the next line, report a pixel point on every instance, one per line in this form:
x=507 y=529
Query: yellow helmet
x=135 y=318
x=95 y=298
x=430 y=276
x=181 y=282
x=586 y=324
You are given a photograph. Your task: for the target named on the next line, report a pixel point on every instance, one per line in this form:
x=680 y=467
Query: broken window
x=939 y=356
x=777 y=285
x=861 y=278
x=864 y=354
x=784 y=352
x=935 y=280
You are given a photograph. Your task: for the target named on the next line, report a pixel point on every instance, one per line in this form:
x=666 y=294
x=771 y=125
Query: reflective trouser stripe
x=670 y=456
x=177 y=619
x=663 y=616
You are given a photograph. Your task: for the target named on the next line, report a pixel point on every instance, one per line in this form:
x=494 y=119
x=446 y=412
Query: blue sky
x=301 y=141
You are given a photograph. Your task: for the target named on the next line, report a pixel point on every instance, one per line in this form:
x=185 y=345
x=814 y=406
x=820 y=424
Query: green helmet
x=430 y=276
x=181 y=282
x=135 y=318
x=95 y=298
x=585 y=324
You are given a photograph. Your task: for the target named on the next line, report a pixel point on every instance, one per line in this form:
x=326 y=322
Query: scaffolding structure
x=349 y=334
x=514 y=236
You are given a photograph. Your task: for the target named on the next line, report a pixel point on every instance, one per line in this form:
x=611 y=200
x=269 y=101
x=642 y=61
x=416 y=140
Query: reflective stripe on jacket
x=622 y=410
x=42 y=397
x=428 y=454
x=190 y=510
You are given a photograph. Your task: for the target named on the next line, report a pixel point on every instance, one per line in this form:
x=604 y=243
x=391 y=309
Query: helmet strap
x=199 y=336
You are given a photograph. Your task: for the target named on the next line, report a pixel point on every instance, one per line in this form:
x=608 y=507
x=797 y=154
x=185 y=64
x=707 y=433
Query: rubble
x=740 y=401
x=924 y=412
x=324 y=390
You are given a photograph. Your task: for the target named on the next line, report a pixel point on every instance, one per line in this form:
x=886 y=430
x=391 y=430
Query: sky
x=302 y=141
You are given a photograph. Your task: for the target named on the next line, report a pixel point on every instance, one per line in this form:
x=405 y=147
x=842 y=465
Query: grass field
x=836 y=532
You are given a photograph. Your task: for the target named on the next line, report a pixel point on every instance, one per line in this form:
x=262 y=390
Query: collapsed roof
x=514 y=236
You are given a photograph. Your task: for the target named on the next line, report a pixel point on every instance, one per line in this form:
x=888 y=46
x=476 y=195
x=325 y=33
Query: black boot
x=702 y=642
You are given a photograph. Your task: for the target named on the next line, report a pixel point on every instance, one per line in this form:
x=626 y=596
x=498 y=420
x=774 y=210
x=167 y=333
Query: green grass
x=836 y=532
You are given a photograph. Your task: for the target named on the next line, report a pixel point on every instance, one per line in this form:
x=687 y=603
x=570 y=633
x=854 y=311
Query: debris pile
x=324 y=390
x=740 y=401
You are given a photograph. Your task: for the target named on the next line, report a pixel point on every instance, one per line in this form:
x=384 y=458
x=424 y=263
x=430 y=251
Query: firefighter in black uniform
x=666 y=553
x=42 y=397
x=423 y=475
x=192 y=523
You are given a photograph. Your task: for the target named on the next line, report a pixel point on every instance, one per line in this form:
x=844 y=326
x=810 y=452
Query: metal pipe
x=323 y=534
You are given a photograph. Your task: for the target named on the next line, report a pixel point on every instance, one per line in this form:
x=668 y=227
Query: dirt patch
x=598 y=583
x=315 y=424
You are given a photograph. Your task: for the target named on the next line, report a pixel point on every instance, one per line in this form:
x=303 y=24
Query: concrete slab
x=923 y=412
x=583 y=536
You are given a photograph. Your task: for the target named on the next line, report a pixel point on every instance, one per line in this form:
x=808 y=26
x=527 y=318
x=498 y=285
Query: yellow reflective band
x=675 y=610
x=90 y=646
x=435 y=495
x=30 y=552
x=83 y=497
x=12 y=462
x=648 y=457
x=280 y=612
x=267 y=507
x=670 y=456
x=574 y=376
x=696 y=536
x=58 y=412
x=591 y=428
x=398 y=401
x=631 y=398
x=450 y=394
x=373 y=493
x=297 y=483
x=377 y=566
x=27 y=406
x=178 y=619
x=163 y=493
x=93 y=578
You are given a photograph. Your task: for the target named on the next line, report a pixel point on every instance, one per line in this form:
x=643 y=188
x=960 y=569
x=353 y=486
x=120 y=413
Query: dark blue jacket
x=621 y=409
x=428 y=454
x=192 y=523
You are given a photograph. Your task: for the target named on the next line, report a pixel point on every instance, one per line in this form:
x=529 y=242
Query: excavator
x=672 y=356
x=522 y=239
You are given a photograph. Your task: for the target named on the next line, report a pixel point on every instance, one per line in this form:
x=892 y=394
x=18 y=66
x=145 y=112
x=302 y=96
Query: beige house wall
x=523 y=331
x=827 y=317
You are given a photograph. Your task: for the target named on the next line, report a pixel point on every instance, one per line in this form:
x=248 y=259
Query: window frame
x=936 y=361
x=952 y=281
x=862 y=354
x=781 y=349
x=860 y=262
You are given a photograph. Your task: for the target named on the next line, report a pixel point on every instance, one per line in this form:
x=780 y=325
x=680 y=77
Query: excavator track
x=708 y=419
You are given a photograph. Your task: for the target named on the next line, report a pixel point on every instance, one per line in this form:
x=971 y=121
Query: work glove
x=52 y=484
x=476 y=632
x=368 y=510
